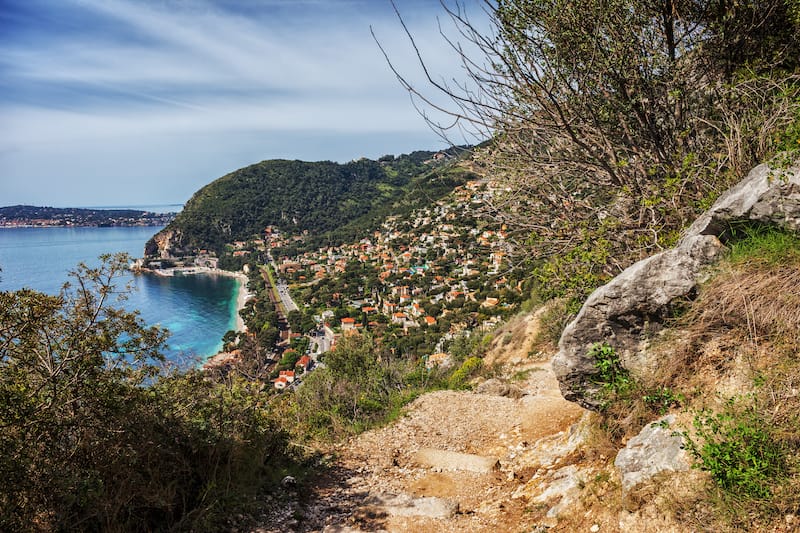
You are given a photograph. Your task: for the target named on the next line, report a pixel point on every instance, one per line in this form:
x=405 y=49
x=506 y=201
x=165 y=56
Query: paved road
x=288 y=303
x=282 y=288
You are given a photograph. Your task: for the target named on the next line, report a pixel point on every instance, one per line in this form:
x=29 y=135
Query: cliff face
x=165 y=244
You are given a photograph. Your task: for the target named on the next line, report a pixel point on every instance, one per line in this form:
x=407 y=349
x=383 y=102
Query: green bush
x=94 y=435
x=626 y=404
x=661 y=399
x=459 y=378
x=615 y=379
x=737 y=448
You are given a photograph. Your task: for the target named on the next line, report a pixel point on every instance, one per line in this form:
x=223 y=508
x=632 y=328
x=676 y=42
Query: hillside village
x=416 y=283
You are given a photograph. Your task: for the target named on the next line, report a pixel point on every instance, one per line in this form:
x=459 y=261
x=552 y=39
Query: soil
x=360 y=489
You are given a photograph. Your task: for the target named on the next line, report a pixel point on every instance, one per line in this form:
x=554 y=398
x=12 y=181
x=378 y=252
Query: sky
x=142 y=102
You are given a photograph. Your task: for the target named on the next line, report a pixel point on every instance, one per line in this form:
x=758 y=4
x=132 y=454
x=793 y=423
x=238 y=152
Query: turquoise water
x=197 y=310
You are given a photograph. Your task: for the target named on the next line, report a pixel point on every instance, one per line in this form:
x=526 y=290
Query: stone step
x=447 y=460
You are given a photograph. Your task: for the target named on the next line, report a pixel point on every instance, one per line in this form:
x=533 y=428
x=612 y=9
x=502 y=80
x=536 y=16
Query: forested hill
x=328 y=200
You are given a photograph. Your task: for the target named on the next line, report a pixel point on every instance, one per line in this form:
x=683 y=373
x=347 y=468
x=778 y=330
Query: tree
x=96 y=434
x=614 y=122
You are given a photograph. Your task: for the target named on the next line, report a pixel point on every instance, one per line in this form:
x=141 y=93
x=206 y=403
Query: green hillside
x=329 y=200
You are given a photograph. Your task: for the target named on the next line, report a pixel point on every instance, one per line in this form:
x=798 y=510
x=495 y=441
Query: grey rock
x=634 y=304
x=495 y=387
x=655 y=450
x=405 y=505
x=561 y=491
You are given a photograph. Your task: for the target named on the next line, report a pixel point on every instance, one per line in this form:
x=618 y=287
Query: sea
x=197 y=309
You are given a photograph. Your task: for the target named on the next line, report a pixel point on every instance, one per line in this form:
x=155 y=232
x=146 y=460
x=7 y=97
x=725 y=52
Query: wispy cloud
x=119 y=71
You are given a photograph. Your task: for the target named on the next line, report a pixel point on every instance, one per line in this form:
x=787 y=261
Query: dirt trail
x=419 y=474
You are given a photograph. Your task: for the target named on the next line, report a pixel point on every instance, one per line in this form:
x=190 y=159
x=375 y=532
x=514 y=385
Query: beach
x=241 y=299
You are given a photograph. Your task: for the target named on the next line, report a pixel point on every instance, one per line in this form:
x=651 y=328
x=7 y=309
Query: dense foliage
x=95 y=434
x=616 y=123
x=361 y=384
x=297 y=196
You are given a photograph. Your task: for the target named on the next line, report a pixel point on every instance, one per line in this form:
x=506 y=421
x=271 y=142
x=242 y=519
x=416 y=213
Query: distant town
x=23 y=216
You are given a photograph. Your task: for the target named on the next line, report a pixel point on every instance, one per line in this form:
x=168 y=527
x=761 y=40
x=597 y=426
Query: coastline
x=222 y=359
x=241 y=299
x=242 y=293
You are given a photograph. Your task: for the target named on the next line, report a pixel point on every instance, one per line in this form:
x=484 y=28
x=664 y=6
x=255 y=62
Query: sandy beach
x=241 y=299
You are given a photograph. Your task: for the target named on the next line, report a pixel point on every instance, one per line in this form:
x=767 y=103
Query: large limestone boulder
x=636 y=302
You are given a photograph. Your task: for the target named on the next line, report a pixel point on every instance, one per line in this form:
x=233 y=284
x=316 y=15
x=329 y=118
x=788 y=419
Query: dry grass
x=746 y=319
x=741 y=338
x=763 y=302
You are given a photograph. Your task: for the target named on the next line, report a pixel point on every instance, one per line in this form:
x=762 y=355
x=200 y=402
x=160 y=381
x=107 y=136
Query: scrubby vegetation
x=362 y=384
x=615 y=124
x=96 y=434
x=612 y=125
x=733 y=370
x=744 y=327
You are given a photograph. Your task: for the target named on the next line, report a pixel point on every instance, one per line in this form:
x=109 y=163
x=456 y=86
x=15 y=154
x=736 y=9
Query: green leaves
x=614 y=377
x=94 y=432
x=738 y=449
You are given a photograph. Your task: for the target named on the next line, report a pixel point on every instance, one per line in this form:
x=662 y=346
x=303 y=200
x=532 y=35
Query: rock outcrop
x=635 y=303
x=165 y=244
x=656 y=450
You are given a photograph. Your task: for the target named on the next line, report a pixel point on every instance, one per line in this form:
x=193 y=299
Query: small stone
x=595 y=528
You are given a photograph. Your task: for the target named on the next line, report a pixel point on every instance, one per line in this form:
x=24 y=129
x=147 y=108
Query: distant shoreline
x=17 y=216
x=63 y=226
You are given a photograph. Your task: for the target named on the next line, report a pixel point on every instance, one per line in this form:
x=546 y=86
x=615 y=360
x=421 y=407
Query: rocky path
x=457 y=461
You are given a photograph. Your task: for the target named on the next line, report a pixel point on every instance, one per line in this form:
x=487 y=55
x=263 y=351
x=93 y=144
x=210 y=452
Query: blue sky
x=126 y=102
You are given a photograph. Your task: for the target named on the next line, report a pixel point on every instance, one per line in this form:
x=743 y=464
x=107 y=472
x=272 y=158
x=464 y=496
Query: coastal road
x=286 y=298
